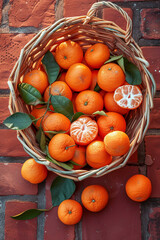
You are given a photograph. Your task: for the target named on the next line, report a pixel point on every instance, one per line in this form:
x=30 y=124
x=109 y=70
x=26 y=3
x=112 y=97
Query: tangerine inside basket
x=86 y=30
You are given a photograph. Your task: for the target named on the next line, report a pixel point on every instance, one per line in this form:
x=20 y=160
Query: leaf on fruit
x=113 y=58
x=133 y=75
x=61 y=189
x=76 y=116
x=51 y=66
x=30 y=94
x=41 y=139
x=18 y=121
x=102 y=113
x=62 y=105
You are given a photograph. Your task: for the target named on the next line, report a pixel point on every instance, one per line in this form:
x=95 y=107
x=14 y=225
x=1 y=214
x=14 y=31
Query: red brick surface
x=155 y=114
x=153 y=228
x=133 y=158
x=114 y=16
x=37 y=14
x=121 y=217
x=150 y=22
x=77 y=8
x=53 y=226
x=153 y=171
x=18 y=230
x=10 y=47
x=12 y=183
x=4 y=111
x=9 y=144
x=152 y=56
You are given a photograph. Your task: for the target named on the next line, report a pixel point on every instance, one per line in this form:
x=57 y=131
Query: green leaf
x=51 y=66
x=52 y=133
x=133 y=75
x=61 y=189
x=76 y=116
x=97 y=88
x=29 y=94
x=41 y=139
x=113 y=58
x=30 y=214
x=62 y=105
x=121 y=63
x=102 y=113
x=18 y=121
x=74 y=163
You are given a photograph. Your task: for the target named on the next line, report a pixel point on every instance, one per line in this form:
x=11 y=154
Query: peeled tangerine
x=117 y=143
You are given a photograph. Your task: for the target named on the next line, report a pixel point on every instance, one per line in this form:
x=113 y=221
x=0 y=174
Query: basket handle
x=103 y=4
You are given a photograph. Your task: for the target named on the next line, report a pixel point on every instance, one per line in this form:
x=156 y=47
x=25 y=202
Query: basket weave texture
x=86 y=30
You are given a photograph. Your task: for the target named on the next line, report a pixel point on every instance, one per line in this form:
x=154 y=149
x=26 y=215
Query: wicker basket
x=86 y=30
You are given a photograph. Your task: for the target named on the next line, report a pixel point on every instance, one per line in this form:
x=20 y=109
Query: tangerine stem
x=70 y=146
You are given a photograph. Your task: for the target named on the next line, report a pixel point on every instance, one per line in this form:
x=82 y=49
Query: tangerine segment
x=94 y=198
x=96 y=155
x=110 y=77
x=138 y=188
x=70 y=212
x=84 y=130
x=117 y=143
x=128 y=96
x=78 y=77
x=68 y=53
x=88 y=102
x=111 y=105
x=61 y=147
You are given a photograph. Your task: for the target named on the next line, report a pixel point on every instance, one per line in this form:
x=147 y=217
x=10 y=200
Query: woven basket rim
x=36 y=48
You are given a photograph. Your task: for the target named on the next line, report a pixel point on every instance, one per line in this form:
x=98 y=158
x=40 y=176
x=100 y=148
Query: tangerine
x=96 y=55
x=67 y=53
x=110 y=77
x=78 y=77
x=84 y=130
x=37 y=79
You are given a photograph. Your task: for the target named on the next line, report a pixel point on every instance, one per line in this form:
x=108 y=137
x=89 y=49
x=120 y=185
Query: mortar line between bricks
x=2 y=218
x=42 y=205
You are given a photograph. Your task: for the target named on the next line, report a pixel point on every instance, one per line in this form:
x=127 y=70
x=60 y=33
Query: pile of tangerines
x=99 y=132
x=100 y=94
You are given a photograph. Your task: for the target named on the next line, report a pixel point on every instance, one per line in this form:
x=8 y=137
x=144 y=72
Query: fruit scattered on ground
x=112 y=122
x=37 y=79
x=96 y=155
x=96 y=55
x=94 y=198
x=67 y=53
x=84 y=130
x=88 y=102
x=138 y=188
x=128 y=96
x=62 y=147
x=110 y=77
x=33 y=172
x=78 y=77
x=117 y=143
x=70 y=212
